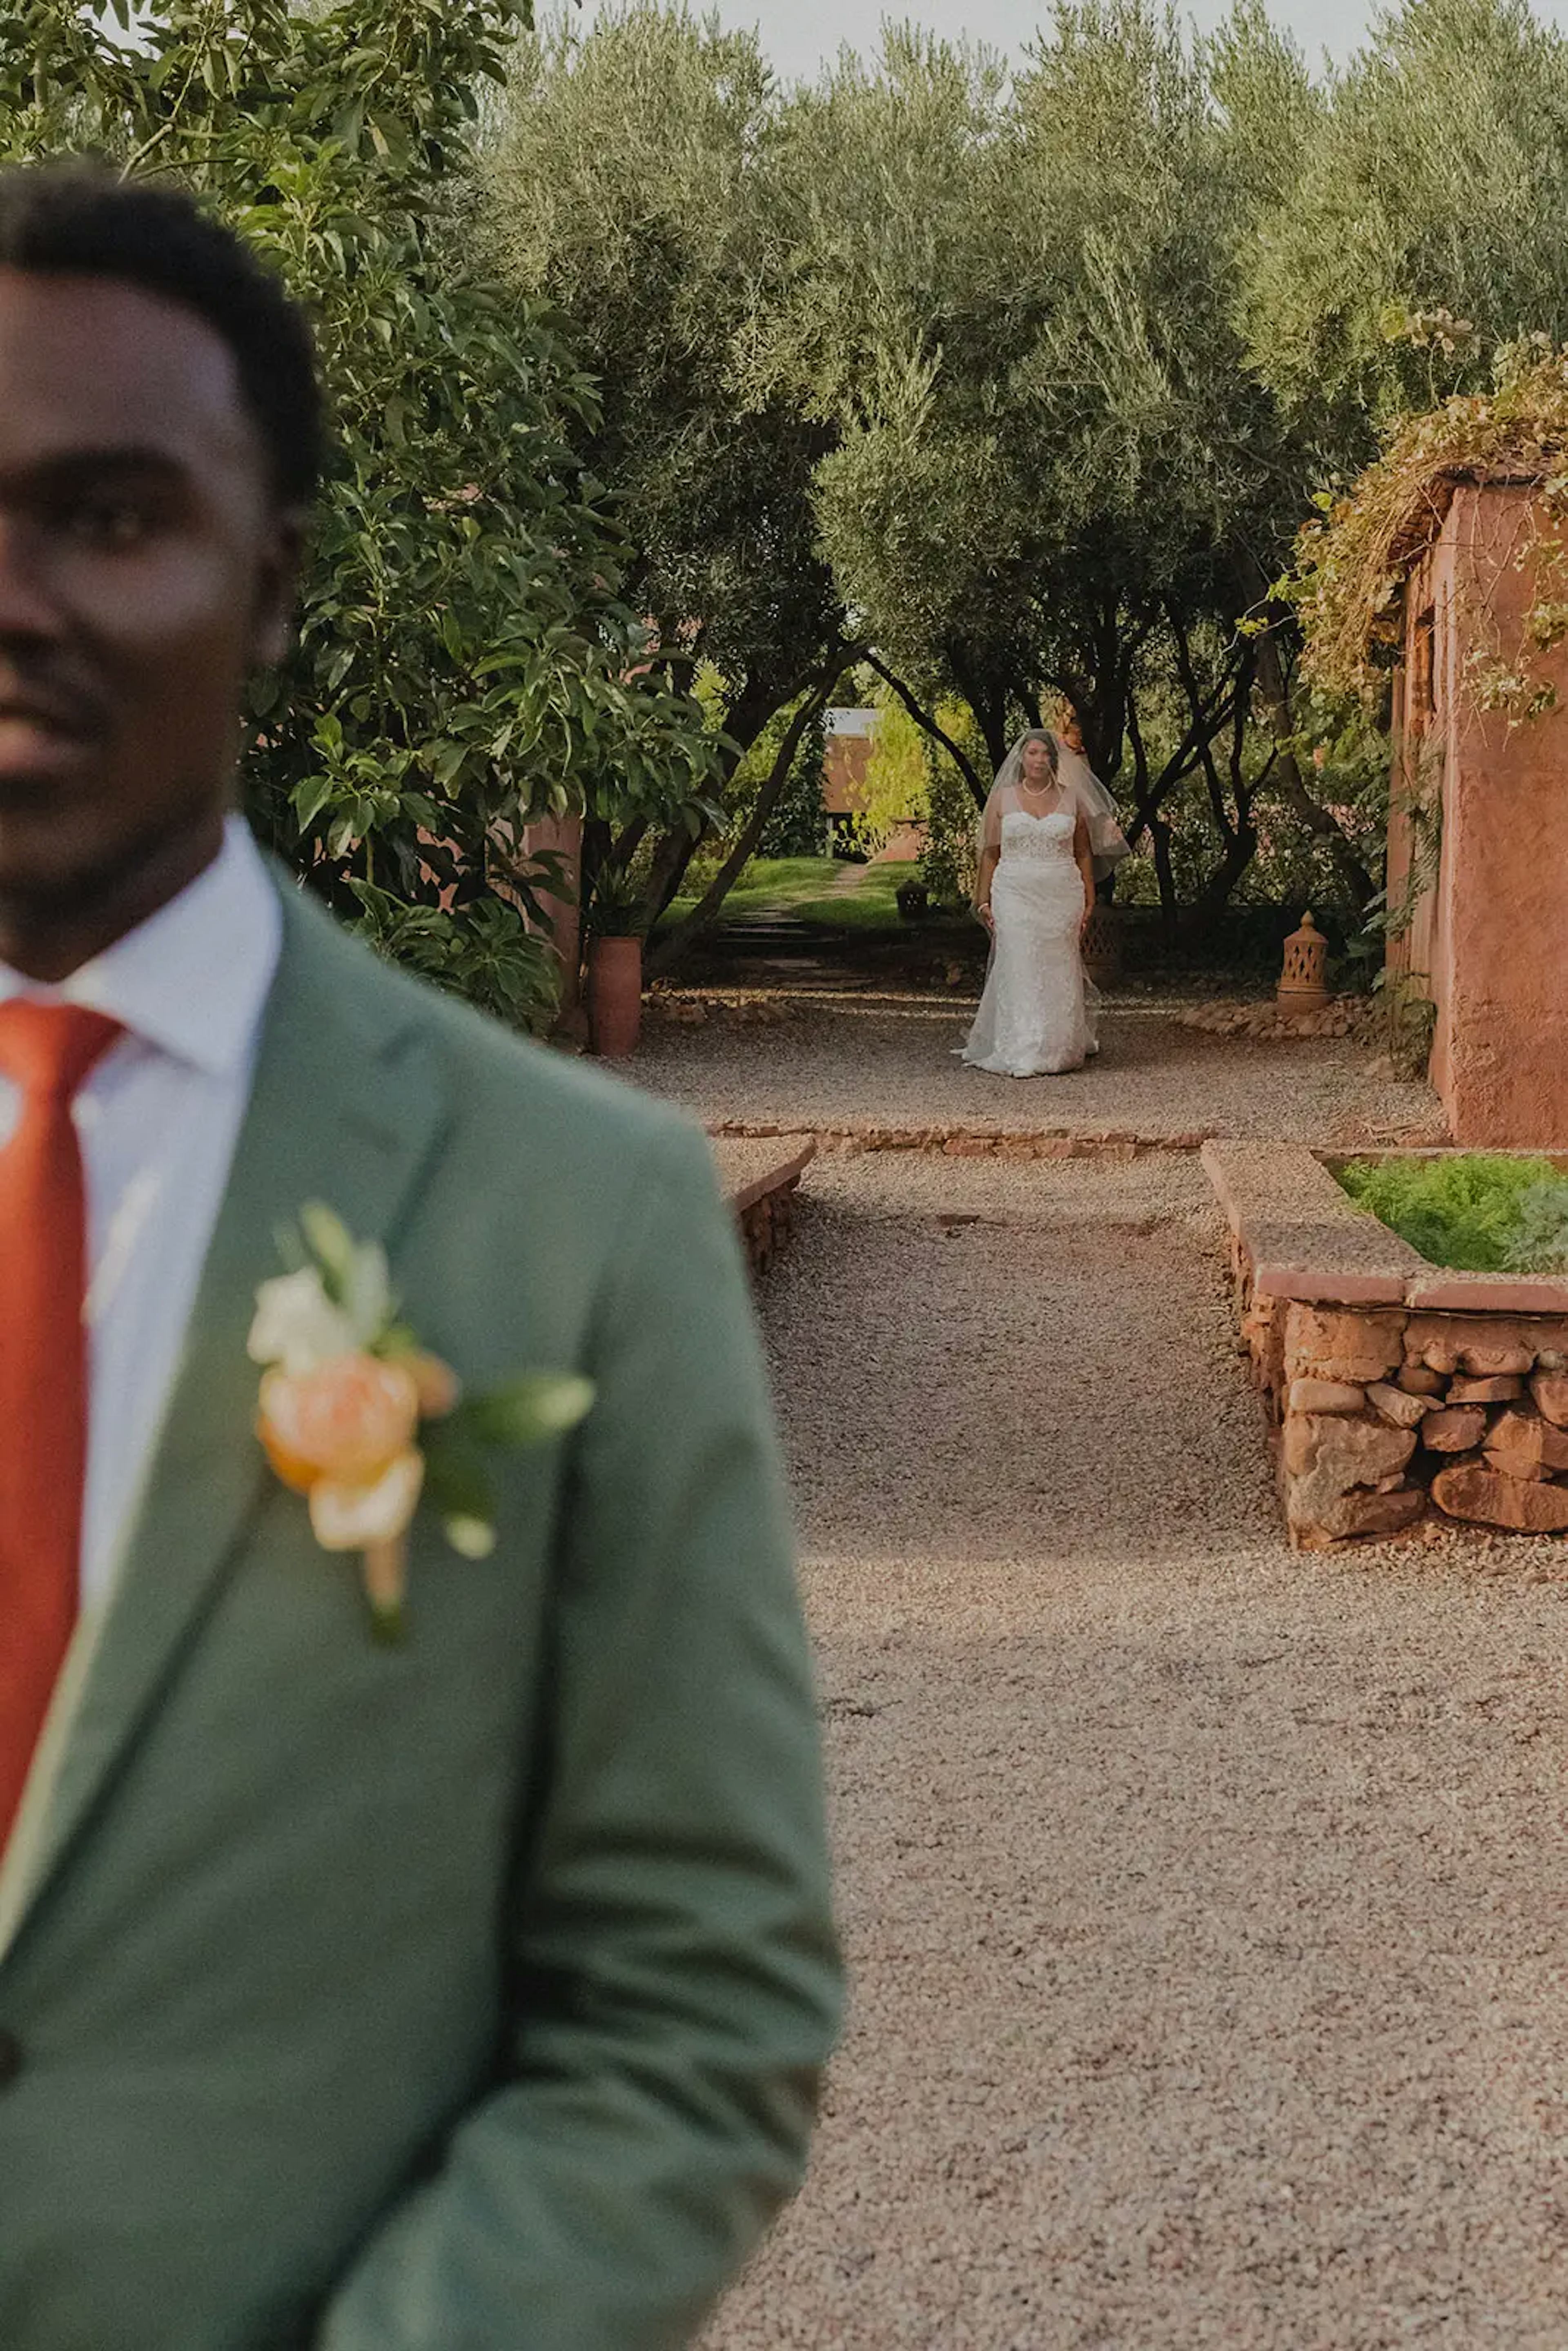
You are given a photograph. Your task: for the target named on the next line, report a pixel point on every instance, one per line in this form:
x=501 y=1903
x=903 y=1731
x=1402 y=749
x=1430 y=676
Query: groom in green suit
x=460 y=1994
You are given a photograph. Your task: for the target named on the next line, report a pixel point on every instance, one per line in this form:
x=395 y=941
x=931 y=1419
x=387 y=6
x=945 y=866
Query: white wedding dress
x=1037 y=1016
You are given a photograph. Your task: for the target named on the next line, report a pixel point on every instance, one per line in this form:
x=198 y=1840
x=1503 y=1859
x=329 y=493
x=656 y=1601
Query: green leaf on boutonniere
x=471 y=1538
x=457 y=1477
x=330 y=1243
x=530 y=1409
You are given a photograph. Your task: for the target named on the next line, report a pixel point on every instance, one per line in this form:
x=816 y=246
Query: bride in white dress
x=1049 y=831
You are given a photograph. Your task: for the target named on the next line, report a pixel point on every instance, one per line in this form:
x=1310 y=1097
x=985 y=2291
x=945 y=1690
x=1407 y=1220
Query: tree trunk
x=753 y=707
x=988 y=704
x=927 y=722
x=702 y=914
x=1240 y=848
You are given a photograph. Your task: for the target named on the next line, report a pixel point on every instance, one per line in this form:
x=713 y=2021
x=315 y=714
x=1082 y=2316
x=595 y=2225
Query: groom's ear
x=277 y=588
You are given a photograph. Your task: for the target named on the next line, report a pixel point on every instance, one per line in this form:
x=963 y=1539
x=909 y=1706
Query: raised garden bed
x=760 y=1177
x=1399 y=1391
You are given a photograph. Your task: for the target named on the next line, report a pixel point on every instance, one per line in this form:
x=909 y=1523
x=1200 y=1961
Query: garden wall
x=1478 y=834
x=1396 y=1392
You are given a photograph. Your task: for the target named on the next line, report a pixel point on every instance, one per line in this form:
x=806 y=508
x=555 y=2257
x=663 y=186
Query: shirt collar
x=192 y=980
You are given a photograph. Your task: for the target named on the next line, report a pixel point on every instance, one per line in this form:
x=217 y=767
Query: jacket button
x=10 y=2057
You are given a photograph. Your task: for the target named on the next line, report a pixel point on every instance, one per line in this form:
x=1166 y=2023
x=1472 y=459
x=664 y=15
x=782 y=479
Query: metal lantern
x=1303 y=982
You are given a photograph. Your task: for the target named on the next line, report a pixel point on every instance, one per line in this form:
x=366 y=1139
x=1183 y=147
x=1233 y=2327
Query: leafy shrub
x=1539 y=1243
x=1480 y=1212
x=465 y=657
x=1350 y=560
x=913 y=900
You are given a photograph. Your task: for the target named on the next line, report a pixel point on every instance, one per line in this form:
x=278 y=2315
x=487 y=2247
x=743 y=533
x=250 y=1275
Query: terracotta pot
x=615 y=996
x=1102 y=947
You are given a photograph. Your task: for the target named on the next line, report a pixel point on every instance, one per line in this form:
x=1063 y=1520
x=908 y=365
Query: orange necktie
x=47 y=1050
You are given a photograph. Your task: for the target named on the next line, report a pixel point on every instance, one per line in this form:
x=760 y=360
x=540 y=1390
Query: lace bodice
x=1043 y=837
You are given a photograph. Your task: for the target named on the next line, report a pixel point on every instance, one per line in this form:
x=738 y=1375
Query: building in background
x=846 y=756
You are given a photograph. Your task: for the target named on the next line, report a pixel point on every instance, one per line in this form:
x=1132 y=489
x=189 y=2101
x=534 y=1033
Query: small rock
x=1416 y=1380
x=1523 y=1445
x=1330 y=1343
x=1325 y=1456
x=1325 y=1395
x=1455 y=1429
x=1549 y=1389
x=1398 y=1406
x=1358 y=1513
x=1468 y=1489
x=1502 y=1390
x=1432 y=1339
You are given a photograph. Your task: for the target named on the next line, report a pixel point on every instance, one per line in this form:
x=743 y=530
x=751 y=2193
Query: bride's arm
x=988 y=858
x=1083 y=854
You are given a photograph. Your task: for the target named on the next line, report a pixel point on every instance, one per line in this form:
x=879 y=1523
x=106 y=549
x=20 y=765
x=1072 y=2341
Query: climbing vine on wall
x=1354 y=558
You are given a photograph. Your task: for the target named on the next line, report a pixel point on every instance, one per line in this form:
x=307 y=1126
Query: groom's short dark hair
x=82 y=219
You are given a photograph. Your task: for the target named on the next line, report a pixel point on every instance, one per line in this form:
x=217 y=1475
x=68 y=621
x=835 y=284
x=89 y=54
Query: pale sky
x=800 y=35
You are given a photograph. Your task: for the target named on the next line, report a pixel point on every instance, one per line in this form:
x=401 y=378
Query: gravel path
x=1204 y=1905
x=858 y=1061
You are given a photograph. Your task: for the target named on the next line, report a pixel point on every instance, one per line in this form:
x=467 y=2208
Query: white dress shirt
x=158 y=1119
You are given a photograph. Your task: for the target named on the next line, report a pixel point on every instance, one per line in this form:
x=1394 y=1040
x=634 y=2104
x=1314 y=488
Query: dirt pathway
x=1207 y=1907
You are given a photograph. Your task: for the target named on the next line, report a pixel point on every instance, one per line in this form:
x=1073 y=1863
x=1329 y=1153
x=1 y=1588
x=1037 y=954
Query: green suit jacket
x=468 y=1994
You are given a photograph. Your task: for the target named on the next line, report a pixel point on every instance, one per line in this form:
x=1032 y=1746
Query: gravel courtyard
x=868 y=1058
x=1205 y=1904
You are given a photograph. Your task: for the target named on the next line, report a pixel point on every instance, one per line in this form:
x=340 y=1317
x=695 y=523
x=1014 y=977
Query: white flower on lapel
x=297 y=1325
x=340 y=1301
x=363 y=1421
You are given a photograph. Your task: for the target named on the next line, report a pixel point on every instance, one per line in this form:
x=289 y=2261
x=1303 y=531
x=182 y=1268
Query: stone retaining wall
x=1396 y=1392
x=761 y=1178
x=981 y=1141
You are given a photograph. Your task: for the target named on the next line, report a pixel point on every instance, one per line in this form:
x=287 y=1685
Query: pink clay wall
x=562 y=836
x=1492 y=937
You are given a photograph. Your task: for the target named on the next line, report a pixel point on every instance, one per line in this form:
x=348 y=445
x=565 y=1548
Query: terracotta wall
x=563 y=836
x=1491 y=937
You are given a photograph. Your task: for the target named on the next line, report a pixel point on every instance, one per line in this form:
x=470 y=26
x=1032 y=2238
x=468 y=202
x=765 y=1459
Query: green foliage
x=1351 y=562
x=464 y=655
x=798 y=826
x=632 y=184
x=1540 y=1242
x=617 y=909
x=1029 y=381
x=1421 y=230
x=896 y=788
x=1480 y=1212
x=952 y=820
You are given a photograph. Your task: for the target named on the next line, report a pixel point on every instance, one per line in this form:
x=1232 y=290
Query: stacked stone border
x=1398 y=1391
x=973 y=1142
x=760 y=1179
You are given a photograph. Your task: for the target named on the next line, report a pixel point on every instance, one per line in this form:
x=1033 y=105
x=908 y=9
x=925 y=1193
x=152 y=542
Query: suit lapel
x=347 y=1107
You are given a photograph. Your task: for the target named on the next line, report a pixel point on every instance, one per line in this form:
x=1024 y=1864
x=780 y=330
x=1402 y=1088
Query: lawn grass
x=808 y=887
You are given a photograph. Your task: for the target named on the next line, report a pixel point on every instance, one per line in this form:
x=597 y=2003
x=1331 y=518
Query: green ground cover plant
x=1480 y=1212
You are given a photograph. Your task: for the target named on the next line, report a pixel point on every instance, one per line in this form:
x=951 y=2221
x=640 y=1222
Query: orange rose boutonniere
x=356 y=1417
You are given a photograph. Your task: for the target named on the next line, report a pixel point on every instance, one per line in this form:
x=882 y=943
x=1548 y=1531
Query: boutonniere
x=357 y=1416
